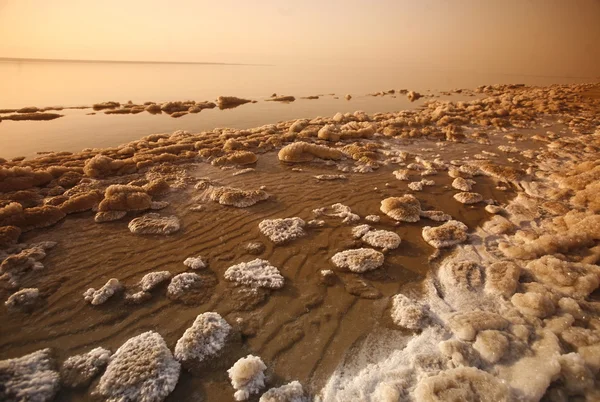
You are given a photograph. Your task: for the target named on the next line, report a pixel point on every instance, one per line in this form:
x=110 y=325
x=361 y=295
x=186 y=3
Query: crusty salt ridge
x=154 y=224
x=100 y=296
x=382 y=239
x=204 y=339
x=79 y=370
x=282 y=230
x=291 y=392
x=153 y=279
x=446 y=235
x=29 y=378
x=462 y=184
x=247 y=377
x=182 y=283
x=256 y=273
x=468 y=198
x=142 y=369
x=405 y=209
x=23 y=298
x=358 y=260
x=195 y=262
x=235 y=197
x=340 y=211
x=407 y=313
x=109 y=216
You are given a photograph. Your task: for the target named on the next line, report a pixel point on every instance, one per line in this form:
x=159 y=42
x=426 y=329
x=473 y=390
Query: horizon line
x=37 y=59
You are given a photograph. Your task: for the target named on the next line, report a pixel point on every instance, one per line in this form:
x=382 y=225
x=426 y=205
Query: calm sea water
x=43 y=84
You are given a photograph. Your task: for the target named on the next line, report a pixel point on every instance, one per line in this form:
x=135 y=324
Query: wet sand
x=302 y=331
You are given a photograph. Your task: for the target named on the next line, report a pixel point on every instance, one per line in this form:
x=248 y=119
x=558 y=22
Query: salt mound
x=460 y=275
x=100 y=296
x=226 y=102
x=305 y=152
x=154 y=224
x=405 y=209
x=491 y=345
x=502 y=278
x=438 y=216
x=446 y=235
x=79 y=370
x=360 y=230
x=29 y=378
x=568 y=278
x=142 y=369
x=407 y=313
x=339 y=211
x=382 y=239
x=402 y=174
x=358 y=260
x=256 y=273
x=109 y=216
x=468 y=198
x=413 y=96
x=237 y=198
x=195 y=262
x=291 y=392
x=280 y=231
x=533 y=304
x=182 y=283
x=153 y=279
x=466 y=325
x=329 y=132
x=463 y=384
x=125 y=198
x=236 y=158
x=247 y=377
x=462 y=184
x=329 y=177
x=9 y=235
x=204 y=339
x=24 y=298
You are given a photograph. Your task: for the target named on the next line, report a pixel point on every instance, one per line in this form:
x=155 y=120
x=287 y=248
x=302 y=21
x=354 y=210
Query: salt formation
x=407 y=313
x=329 y=177
x=226 y=102
x=405 y=209
x=257 y=273
x=142 y=369
x=413 y=96
x=568 y=278
x=23 y=298
x=468 y=198
x=235 y=197
x=29 y=378
x=339 y=211
x=463 y=384
x=154 y=224
x=291 y=392
x=280 y=231
x=204 y=339
x=446 y=235
x=247 y=377
x=125 y=198
x=377 y=238
x=153 y=279
x=373 y=218
x=438 y=216
x=79 y=370
x=402 y=174
x=502 y=278
x=305 y=152
x=463 y=184
x=100 y=296
x=182 y=283
x=358 y=260
x=491 y=345
x=195 y=262
x=236 y=158
x=109 y=216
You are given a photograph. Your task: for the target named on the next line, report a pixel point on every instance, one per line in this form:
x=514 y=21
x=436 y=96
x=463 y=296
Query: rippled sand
x=306 y=329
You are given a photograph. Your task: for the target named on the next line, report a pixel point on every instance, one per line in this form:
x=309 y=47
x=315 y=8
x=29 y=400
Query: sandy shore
x=479 y=280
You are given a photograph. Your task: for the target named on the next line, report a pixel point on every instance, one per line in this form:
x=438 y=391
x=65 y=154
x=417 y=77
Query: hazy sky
x=553 y=37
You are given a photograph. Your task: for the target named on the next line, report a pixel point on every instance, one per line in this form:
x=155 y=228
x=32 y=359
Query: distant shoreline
x=38 y=60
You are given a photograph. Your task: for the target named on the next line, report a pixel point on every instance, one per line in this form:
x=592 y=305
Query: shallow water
x=45 y=84
x=302 y=330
